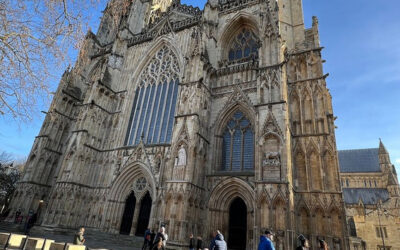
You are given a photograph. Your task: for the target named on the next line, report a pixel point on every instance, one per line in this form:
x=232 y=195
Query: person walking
x=78 y=237
x=159 y=245
x=161 y=235
x=266 y=241
x=146 y=242
x=17 y=215
x=30 y=221
x=304 y=244
x=323 y=245
x=218 y=242
x=191 y=242
x=152 y=237
x=199 y=245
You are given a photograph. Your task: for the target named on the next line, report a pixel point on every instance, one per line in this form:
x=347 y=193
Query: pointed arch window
x=244 y=45
x=238 y=144
x=155 y=100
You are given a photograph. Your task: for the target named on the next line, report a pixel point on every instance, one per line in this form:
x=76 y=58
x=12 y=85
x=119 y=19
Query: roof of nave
x=369 y=196
x=359 y=160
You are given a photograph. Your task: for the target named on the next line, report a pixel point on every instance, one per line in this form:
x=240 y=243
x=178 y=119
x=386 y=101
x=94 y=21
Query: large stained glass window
x=238 y=144
x=155 y=98
x=244 y=45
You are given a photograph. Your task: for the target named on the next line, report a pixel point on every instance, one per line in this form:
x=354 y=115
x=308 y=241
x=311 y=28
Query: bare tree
x=35 y=37
x=6 y=158
x=10 y=173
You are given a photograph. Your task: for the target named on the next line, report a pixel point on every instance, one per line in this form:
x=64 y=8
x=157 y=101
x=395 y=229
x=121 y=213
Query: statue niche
x=271 y=161
x=180 y=163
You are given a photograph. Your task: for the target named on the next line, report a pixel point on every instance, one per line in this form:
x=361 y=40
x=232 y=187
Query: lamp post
x=379 y=208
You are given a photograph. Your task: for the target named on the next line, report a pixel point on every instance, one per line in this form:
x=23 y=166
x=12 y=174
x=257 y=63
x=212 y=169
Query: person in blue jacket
x=218 y=242
x=266 y=241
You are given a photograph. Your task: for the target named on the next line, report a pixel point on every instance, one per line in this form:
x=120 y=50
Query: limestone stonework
x=372 y=198
x=244 y=140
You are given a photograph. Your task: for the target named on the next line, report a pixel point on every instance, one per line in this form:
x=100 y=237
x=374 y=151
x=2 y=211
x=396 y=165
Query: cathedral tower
x=194 y=119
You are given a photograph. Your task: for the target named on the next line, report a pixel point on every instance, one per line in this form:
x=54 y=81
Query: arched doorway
x=237 y=225
x=144 y=214
x=126 y=223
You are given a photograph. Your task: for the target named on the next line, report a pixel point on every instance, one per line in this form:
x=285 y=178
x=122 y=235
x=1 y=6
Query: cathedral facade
x=194 y=119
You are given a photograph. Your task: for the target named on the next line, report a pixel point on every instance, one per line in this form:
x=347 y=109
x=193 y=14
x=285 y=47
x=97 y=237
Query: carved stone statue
x=272 y=159
x=182 y=156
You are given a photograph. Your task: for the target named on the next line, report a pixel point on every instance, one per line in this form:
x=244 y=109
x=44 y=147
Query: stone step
x=94 y=239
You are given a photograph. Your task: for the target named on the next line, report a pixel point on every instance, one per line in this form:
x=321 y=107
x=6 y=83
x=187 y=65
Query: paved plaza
x=94 y=239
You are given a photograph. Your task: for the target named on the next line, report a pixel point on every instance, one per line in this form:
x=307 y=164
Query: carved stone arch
x=308 y=111
x=300 y=168
x=237 y=101
x=303 y=219
x=319 y=216
x=227 y=190
x=159 y=43
x=181 y=155
x=330 y=170
x=123 y=183
x=279 y=210
x=295 y=111
x=240 y=19
x=334 y=223
x=314 y=165
x=312 y=146
x=220 y=126
x=271 y=145
x=232 y=29
x=272 y=126
x=299 y=147
x=183 y=137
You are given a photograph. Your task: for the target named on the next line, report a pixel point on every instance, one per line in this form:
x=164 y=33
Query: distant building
x=371 y=194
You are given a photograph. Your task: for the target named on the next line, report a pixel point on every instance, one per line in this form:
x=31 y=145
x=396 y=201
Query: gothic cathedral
x=194 y=119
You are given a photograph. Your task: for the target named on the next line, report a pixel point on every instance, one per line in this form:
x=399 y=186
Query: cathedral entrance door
x=126 y=223
x=237 y=225
x=144 y=215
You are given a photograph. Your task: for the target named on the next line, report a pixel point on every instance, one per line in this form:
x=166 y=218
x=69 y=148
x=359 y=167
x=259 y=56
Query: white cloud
x=397 y=161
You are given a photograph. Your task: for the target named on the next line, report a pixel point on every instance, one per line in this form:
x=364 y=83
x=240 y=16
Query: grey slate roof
x=359 y=160
x=369 y=196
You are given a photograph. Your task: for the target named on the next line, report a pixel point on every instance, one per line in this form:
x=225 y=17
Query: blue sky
x=362 y=53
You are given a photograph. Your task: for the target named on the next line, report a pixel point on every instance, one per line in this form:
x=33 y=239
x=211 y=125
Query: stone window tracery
x=244 y=45
x=238 y=144
x=155 y=100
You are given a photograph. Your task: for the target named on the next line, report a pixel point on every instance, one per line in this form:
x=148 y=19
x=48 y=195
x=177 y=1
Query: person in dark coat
x=304 y=244
x=199 y=244
x=159 y=235
x=30 y=221
x=191 y=242
x=218 y=243
x=146 y=242
x=159 y=245
x=17 y=215
x=152 y=237
x=266 y=241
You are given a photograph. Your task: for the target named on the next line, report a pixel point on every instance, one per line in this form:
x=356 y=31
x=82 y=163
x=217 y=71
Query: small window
x=243 y=46
x=347 y=182
x=375 y=183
